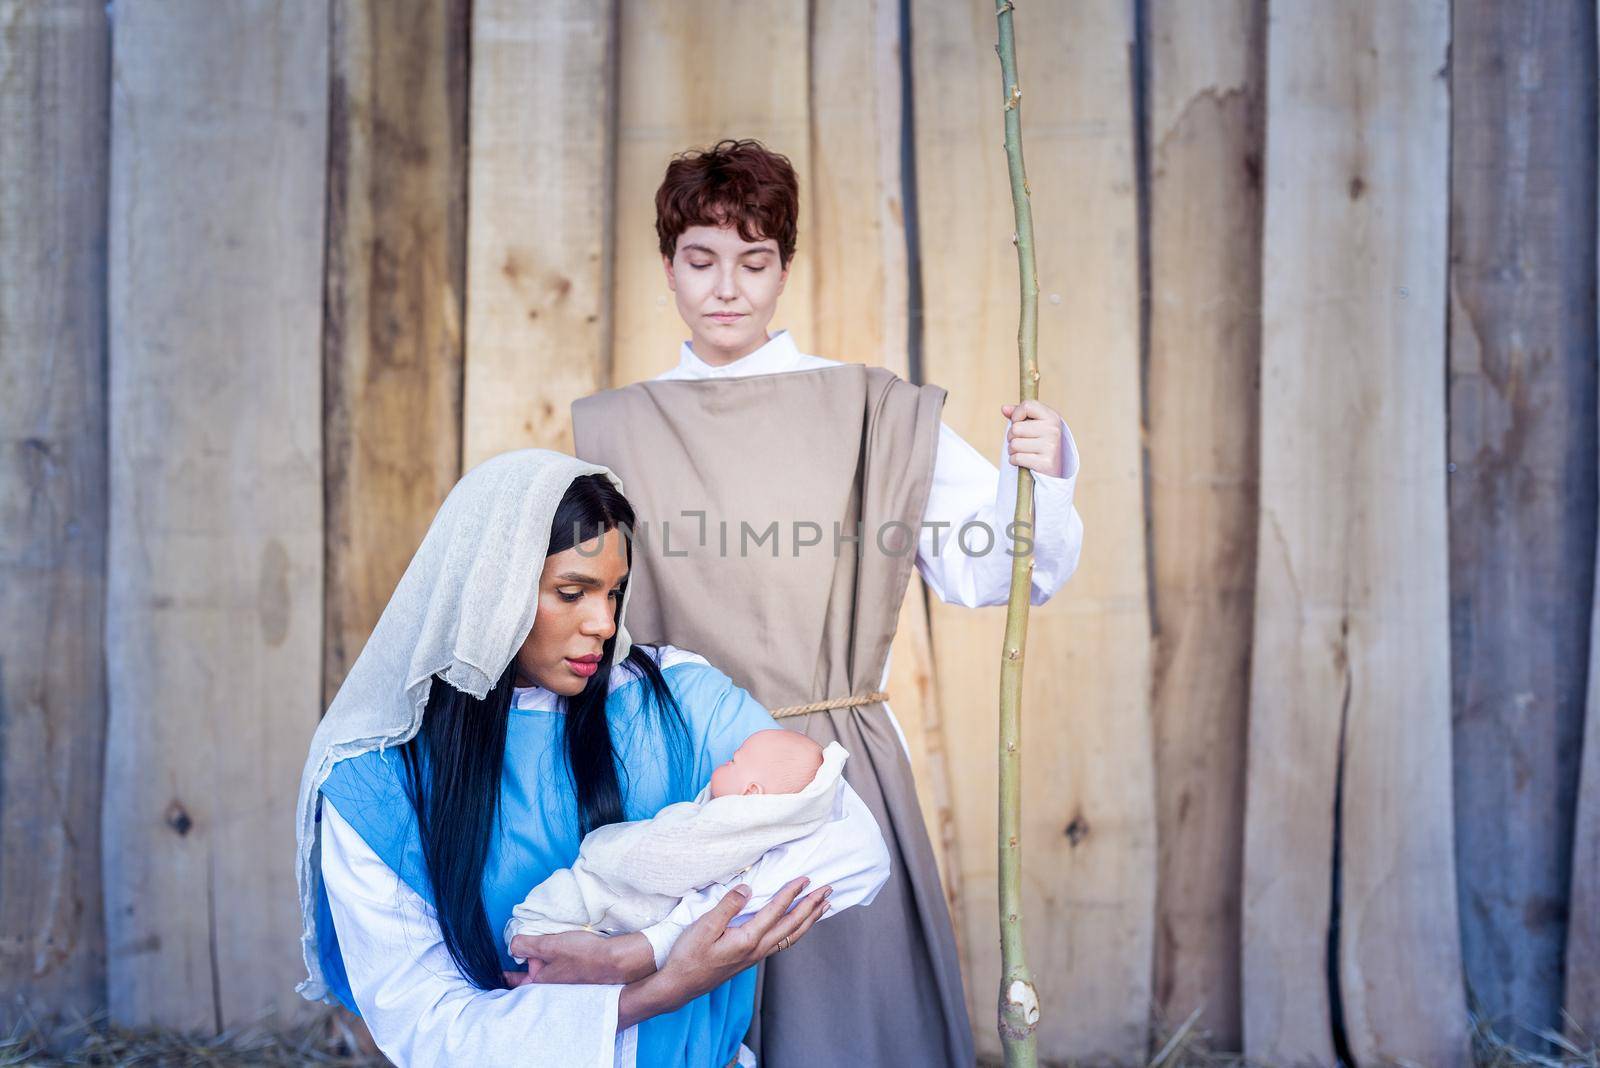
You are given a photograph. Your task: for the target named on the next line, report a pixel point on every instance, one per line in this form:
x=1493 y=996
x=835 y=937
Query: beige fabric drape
x=710 y=467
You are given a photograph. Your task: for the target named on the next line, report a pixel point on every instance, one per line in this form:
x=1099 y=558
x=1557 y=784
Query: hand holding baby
x=776 y=809
x=581 y=957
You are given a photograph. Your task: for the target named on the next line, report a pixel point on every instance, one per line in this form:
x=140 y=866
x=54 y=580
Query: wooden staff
x=1019 y=1000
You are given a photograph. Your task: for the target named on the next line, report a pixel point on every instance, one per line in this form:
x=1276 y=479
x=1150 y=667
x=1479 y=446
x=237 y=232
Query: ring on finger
x=783 y=943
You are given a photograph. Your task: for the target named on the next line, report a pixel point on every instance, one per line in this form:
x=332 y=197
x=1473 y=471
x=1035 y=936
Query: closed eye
x=574 y=597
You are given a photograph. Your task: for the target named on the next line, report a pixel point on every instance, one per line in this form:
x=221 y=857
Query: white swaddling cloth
x=631 y=876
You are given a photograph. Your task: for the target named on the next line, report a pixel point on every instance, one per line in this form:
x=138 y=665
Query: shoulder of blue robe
x=371 y=794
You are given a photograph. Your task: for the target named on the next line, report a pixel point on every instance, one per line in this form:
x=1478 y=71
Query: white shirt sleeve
x=974 y=568
x=848 y=853
x=415 y=1001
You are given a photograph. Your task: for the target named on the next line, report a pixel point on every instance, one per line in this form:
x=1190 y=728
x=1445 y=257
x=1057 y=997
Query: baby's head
x=769 y=762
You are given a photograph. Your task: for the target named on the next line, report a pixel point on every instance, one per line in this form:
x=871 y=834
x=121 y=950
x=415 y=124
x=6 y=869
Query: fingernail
x=828 y=892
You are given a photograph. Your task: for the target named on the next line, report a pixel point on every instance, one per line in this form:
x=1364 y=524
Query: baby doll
x=778 y=809
x=769 y=762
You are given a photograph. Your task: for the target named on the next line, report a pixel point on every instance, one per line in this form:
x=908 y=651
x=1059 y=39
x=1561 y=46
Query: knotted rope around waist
x=852 y=701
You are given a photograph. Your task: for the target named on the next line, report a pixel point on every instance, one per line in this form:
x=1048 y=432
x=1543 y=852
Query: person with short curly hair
x=785 y=500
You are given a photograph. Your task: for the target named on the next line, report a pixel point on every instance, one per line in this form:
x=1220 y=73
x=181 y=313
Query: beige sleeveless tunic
x=816 y=452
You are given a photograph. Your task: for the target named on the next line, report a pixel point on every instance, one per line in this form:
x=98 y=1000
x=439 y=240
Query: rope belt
x=836 y=702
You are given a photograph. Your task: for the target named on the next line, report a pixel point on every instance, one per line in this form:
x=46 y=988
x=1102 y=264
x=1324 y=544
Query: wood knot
x=177 y=817
x=1077 y=830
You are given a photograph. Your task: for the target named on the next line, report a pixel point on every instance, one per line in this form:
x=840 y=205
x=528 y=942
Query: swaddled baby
x=779 y=809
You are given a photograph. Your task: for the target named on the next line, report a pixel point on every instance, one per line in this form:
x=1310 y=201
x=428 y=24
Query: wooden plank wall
x=1583 y=938
x=395 y=282
x=1522 y=483
x=53 y=124
x=1582 y=1003
x=1203 y=121
x=538 y=237
x=1348 y=848
x=214 y=632
x=338 y=253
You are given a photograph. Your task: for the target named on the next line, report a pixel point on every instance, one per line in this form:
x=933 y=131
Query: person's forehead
x=723 y=240
x=607 y=559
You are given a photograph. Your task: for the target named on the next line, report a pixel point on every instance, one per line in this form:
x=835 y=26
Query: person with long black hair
x=499 y=713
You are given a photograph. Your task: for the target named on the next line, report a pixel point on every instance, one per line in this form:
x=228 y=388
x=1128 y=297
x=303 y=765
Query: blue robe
x=537 y=831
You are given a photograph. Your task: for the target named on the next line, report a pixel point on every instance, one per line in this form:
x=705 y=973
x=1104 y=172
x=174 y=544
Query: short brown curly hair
x=742 y=181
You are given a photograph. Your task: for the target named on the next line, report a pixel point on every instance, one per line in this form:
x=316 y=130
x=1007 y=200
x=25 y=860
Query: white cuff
x=662 y=937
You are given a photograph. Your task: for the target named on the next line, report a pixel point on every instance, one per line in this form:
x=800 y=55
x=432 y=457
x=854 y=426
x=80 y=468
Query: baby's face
x=769 y=762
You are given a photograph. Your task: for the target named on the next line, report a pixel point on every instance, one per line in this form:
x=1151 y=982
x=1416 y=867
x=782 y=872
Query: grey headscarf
x=461 y=611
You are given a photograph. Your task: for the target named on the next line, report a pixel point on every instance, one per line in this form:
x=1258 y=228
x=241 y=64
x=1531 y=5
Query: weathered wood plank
x=219 y=139
x=676 y=96
x=395 y=283
x=1088 y=795
x=53 y=126
x=1350 y=698
x=1522 y=488
x=1583 y=936
x=858 y=254
x=538 y=237
x=1206 y=80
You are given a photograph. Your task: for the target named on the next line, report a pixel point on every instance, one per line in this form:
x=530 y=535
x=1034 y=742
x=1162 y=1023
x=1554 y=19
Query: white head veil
x=461 y=611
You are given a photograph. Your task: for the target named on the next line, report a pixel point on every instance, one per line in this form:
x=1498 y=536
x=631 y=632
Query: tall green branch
x=1019 y=999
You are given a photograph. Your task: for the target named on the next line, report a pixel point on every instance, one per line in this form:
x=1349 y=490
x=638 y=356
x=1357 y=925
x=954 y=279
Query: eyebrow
x=754 y=250
x=585 y=580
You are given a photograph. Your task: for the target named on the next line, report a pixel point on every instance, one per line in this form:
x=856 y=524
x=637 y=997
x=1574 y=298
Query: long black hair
x=453 y=765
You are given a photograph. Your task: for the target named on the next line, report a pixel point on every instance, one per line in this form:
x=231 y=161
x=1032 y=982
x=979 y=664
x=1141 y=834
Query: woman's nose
x=726 y=290
x=601 y=622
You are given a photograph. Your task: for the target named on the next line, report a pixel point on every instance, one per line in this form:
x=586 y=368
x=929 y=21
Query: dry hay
x=334 y=1038
x=1188 y=1046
